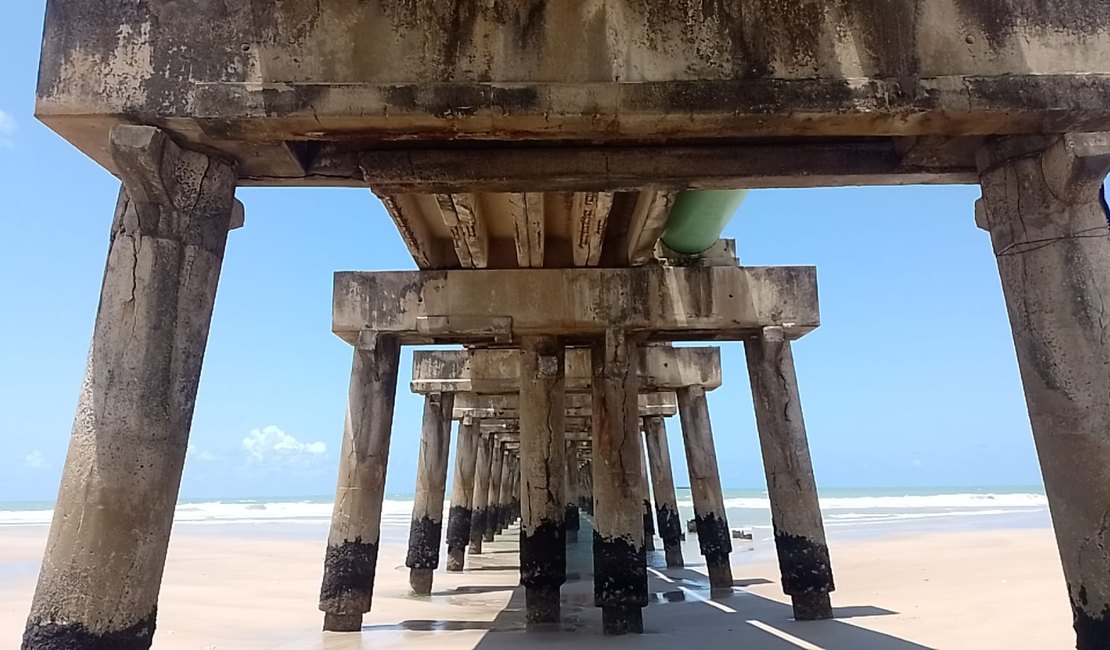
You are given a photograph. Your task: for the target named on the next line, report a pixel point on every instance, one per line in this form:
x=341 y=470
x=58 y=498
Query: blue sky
x=910 y=381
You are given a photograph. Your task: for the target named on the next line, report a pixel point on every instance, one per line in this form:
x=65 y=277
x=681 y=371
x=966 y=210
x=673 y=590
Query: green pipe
x=699 y=217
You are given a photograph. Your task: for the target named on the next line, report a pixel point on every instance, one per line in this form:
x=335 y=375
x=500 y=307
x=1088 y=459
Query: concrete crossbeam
x=656 y=303
x=497 y=371
x=578 y=405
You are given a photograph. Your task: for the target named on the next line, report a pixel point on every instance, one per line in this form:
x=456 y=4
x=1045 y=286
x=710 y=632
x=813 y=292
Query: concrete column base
x=720 y=574
x=543 y=607
x=674 y=556
x=421 y=581
x=456 y=560
x=342 y=622
x=616 y=621
x=812 y=607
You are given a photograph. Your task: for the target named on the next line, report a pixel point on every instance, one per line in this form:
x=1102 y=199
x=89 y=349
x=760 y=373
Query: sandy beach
x=232 y=589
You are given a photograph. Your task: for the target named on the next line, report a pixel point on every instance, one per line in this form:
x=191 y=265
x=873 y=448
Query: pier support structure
x=493 y=508
x=352 y=554
x=481 y=491
x=426 y=530
x=620 y=574
x=795 y=512
x=461 y=513
x=662 y=480
x=104 y=557
x=543 y=555
x=649 y=517
x=616 y=319
x=1048 y=225
x=714 y=538
x=571 y=496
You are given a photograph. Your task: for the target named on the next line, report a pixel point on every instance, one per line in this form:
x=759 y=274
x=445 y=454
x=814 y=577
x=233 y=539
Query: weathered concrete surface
x=426 y=530
x=705 y=486
x=649 y=517
x=504 y=490
x=1048 y=226
x=543 y=554
x=578 y=405
x=658 y=303
x=661 y=368
x=352 y=554
x=268 y=86
x=662 y=480
x=461 y=513
x=571 y=494
x=795 y=512
x=482 y=464
x=104 y=557
x=493 y=509
x=620 y=575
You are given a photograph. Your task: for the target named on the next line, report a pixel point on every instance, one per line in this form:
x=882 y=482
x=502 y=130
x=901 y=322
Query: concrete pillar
x=795 y=512
x=493 y=510
x=102 y=568
x=426 y=529
x=1041 y=204
x=543 y=552
x=352 y=554
x=571 y=521
x=586 y=474
x=505 y=487
x=620 y=575
x=662 y=480
x=649 y=522
x=478 y=524
x=705 y=486
x=462 y=494
x=514 y=491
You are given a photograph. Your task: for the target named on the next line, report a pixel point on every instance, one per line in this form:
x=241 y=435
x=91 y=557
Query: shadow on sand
x=682 y=613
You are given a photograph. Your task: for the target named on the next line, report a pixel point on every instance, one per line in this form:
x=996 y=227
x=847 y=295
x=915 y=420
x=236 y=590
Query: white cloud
x=34 y=460
x=192 y=451
x=7 y=129
x=271 y=444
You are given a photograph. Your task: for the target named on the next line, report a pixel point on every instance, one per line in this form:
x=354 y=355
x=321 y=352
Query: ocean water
x=847 y=512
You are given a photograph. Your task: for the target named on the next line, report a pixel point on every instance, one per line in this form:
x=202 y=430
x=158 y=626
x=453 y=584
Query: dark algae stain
x=620 y=573
x=804 y=564
x=713 y=538
x=348 y=568
x=424 y=536
x=543 y=556
x=1092 y=632
x=74 y=636
x=670 y=525
x=458 y=527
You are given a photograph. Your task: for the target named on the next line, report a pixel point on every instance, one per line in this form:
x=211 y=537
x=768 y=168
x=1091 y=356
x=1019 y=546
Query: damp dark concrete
x=804 y=564
x=348 y=569
x=424 y=536
x=74 y=636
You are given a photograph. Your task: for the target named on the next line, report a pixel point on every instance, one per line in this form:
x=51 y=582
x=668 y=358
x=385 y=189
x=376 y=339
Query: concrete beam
x=468 y=233
x=527 y=212
x=497 y=371
x=272 y=88
x=577 y=405
x=659 y=303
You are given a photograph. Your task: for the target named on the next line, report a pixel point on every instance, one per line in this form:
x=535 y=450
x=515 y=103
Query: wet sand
x=983 y=590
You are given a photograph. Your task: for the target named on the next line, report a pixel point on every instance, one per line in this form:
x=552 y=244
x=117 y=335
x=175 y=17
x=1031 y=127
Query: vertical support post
x=493 y=510
x=705 y=486
x=795 y=512
x=586 y=473
x=505 y=488
x=620 y=582
x=352 y=555
x=662 y=479
x=649 y=522
x=462 y=494
x=102 y=568
x=571 y=520
x=543 y=552
x=1041 y=204
x=478 y=524
x=426 y=529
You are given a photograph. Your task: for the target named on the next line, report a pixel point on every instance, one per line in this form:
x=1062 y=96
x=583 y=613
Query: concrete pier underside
x=548 y=172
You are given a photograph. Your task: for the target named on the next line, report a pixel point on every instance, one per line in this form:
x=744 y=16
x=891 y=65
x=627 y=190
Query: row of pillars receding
x=524 y=458
x=105 y=555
